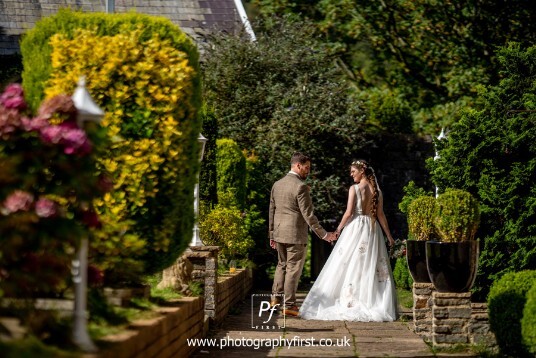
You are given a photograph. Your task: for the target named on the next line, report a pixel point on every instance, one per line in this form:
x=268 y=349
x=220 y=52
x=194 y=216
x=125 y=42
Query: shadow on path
x=306 y=338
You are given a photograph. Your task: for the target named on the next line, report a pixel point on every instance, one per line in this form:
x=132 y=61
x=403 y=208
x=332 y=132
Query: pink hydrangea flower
x=75 y=141
x=9 y=121
x=13 y=97
x=62 y=105
x=36 y=124
x=45 y=208
x=52 y=134
x=17 y=201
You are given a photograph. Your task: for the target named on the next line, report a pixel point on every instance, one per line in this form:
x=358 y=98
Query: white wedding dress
x=356 y=283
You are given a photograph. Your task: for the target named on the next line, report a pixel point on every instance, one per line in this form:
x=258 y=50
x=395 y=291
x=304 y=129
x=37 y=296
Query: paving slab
x=309 y=338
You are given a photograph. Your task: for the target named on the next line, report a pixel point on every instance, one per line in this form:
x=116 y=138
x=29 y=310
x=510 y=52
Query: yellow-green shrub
x=421 y=218
x=225 y=227
x=456 y=216
x=143 y=71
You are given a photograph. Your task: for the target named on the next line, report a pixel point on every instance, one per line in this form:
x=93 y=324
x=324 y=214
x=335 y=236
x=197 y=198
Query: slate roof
x=194 y=17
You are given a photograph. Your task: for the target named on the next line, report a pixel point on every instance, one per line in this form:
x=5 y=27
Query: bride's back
x=365 y=189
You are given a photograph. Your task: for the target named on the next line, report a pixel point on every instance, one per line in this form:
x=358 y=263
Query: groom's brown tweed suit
x=291 y=213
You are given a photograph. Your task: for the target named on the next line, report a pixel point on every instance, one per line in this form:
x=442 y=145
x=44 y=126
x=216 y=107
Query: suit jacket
x=291 y=211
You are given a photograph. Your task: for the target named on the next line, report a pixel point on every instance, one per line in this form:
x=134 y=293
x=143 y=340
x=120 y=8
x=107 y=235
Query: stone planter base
x=422 y=310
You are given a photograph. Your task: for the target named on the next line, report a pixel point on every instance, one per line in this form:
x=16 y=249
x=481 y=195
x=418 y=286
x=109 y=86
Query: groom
x=291 y=212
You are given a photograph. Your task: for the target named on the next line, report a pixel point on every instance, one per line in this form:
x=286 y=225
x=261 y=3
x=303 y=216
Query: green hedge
x=401 y=274
x=506 y=302
x=208 y=177
x=528 y=322
x=231 y=169
x=144 y=73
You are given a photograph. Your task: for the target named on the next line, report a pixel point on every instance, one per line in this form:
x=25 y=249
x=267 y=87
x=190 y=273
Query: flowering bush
x=48 y=180
x=143 y=71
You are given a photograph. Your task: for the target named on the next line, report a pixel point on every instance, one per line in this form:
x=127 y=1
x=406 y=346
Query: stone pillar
x=451 y=317
x=422 y=310
x=479 y=330
x=205 y=271
x=178 y=276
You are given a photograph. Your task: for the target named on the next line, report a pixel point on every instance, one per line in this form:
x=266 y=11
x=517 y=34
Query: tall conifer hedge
x=491 y=152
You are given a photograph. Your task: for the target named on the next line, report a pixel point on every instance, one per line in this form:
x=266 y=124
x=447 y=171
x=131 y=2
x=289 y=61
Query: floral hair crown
x=360 y=164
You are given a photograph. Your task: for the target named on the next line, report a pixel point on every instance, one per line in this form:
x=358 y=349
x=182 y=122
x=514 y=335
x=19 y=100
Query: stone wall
x=479 y=328
x=231 y=289
x=164 y=336
x=451 y=318
x=447 y=319
x=422 y=310
x=220 y=292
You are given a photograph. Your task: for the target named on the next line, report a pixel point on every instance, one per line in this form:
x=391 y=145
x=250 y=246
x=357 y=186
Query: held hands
x=331 y=236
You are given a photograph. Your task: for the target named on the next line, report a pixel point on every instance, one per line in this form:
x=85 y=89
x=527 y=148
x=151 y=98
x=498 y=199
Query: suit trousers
x=291 y=258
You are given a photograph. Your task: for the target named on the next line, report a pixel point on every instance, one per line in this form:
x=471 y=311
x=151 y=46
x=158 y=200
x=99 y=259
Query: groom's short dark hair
x=299 y=157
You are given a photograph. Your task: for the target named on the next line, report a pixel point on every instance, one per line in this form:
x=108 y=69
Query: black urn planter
x=452 y=266
x=416 y=258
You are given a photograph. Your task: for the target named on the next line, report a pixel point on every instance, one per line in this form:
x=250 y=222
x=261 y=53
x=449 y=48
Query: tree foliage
x=280 y=94
x=491 y=153
x=436 y=52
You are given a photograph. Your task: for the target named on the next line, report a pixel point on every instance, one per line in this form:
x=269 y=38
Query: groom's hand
x=272 y=244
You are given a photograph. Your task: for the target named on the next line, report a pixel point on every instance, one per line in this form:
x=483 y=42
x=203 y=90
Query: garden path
x=356 y=339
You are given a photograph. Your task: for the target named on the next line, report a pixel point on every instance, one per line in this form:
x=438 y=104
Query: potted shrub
x=453 y=260
x=421 y=229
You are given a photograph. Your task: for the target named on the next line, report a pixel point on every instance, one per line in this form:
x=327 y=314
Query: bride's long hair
x=371 y=177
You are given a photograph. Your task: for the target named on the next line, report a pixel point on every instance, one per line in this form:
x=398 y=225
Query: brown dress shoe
x=292 y=311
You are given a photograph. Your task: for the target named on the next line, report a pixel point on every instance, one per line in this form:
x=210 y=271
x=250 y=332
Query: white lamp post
x=110 y=6
x=439 y=137
x=196 y=240
x=88 y=111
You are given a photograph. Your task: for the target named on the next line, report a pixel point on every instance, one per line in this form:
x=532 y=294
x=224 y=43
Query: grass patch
x=196 y=288
x=405 y=297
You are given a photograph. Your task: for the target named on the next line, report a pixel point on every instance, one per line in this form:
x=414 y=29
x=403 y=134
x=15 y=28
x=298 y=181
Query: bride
x=356 y=283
